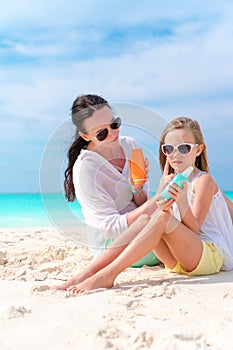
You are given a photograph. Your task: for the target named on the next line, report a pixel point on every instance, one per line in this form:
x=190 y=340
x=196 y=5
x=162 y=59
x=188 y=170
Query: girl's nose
x=175 y=151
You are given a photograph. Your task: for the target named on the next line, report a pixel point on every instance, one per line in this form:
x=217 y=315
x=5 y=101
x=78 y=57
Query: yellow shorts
x=210 y=263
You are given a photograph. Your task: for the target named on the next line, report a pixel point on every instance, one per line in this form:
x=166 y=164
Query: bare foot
x=99 y=280
x=80 y=277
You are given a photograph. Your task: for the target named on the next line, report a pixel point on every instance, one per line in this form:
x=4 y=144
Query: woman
x=98 y=173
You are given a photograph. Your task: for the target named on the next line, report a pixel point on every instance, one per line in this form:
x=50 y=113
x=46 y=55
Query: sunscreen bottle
x=178 y=181
x=137 y=167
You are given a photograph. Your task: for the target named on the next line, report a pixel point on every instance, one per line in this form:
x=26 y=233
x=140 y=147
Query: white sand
x=147 y=309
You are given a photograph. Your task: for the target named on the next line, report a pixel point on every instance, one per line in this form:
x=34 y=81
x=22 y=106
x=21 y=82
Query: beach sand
x=147 y=309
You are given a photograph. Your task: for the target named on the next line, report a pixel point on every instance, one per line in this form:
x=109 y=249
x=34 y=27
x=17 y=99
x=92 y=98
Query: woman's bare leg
x=108 y=255
x=186 y=248
x=141 y=244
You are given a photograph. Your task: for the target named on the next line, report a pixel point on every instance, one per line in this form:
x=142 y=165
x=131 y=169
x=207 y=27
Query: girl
x=190 y=233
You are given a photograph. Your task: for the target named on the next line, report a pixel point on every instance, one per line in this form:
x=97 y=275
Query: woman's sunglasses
x=183 y=148
x=115 y=124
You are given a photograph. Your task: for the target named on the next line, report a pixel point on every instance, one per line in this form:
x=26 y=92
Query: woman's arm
x=100 y=208
x=96 y=192
x=140 y=198
x=148 y=208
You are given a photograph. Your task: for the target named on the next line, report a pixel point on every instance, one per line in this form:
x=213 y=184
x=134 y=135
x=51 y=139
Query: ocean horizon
x=28 y=210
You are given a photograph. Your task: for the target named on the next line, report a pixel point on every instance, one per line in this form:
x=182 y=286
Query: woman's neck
x=114 y=155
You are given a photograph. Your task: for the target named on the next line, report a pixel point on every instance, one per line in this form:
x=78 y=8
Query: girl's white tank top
x=217 y=226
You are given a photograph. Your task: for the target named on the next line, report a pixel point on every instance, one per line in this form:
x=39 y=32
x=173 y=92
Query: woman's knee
x=143 y=219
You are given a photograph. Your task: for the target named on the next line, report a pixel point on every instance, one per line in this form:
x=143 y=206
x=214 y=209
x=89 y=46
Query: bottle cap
x=188 y=171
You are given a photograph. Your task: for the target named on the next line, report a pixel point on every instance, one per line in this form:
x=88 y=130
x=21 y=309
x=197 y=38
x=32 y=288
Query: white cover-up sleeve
x=104 y=199
x=103 y=192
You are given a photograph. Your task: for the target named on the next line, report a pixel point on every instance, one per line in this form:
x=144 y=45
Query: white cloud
x=105 y=13
x=173 y=57
x=159 y=73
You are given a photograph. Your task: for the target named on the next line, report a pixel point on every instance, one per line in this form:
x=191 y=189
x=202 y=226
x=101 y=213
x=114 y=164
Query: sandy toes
x=99 y=280
x=71 y=282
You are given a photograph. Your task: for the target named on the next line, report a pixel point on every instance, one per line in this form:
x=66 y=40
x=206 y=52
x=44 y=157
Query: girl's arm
x=204 y=189
x=154 y=203
x=229 y=204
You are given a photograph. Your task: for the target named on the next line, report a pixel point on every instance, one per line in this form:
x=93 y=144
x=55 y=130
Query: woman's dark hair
x=83 y=107
x=189 y=124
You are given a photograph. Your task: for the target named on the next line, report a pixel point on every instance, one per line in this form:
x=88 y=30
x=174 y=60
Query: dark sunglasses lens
x=101 y=136
x=167 y=149
x=184 y=148
x=116 y=123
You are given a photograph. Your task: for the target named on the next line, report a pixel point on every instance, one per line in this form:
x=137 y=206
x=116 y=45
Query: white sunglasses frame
x=192 y=145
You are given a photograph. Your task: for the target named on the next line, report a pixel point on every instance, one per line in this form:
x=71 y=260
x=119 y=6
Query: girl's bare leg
x=186 y=248
x=108 y=255
x=163 y=253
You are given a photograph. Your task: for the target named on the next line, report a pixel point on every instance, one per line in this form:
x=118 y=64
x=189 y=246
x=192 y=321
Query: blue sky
x=172 y=56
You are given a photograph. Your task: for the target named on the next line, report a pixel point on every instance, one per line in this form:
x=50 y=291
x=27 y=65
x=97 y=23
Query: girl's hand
x=165 y=179
x=179 y=195
x=164 y=204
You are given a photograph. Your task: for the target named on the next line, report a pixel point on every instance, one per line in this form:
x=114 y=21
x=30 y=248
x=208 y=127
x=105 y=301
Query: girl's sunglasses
x=115 y=124
x=183 y=148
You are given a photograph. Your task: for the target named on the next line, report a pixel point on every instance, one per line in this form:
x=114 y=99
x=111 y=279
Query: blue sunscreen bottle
x=178 y=181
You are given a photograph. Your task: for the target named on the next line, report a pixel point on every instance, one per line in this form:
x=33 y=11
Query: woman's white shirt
x=104 y=192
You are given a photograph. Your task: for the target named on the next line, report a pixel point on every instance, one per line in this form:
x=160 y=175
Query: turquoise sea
x=31 y=210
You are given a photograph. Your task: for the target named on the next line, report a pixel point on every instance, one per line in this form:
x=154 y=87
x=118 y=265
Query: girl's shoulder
x=203 y=175
x=205 y=181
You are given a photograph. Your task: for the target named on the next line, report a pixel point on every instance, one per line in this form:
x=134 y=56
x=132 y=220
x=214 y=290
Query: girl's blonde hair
x=189 y=124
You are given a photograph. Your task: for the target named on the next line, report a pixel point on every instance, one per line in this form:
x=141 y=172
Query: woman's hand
x=147 y=167
x=132 y=184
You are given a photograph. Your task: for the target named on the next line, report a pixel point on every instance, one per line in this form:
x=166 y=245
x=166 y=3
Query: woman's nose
x=112 y=131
